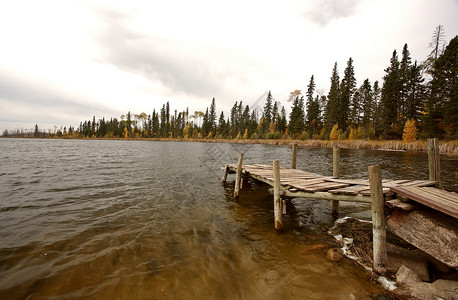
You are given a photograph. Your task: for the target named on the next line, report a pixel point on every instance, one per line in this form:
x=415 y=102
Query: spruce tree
x=333 y=99
x=296 y=117
x=212 y=117
x=443 y=104
x=267 y=115
x=310 y=101
x=405 y=67
x=347 y=89
x=389 y=99
x=416 y=93
x=367 y=103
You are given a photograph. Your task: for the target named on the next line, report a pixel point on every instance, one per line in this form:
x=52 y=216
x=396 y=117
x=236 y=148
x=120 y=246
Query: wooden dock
x=290 y=182
x=301 y=184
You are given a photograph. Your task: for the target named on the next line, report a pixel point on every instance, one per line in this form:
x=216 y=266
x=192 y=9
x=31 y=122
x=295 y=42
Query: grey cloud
x=22 y=99
x=325 y=11
x=157 y=59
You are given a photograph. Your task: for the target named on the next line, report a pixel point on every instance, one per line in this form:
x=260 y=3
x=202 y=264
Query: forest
x=417 y=100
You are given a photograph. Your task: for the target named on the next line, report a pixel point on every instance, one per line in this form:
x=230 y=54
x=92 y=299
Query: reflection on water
x=150 y=220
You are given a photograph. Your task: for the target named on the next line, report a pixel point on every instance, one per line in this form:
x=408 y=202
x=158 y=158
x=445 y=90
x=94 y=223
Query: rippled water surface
x=151 y=220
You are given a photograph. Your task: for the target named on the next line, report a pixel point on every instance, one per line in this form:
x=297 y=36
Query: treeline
x=416 y=100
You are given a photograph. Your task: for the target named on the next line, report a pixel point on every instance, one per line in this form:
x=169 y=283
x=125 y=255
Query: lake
x=113 y=219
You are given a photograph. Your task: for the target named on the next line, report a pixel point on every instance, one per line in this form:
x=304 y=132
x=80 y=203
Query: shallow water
x=151 y=220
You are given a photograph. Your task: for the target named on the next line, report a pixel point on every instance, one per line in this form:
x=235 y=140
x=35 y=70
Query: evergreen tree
x=296 y=117
x=275 y=115
x=355 y=109
x=267 y=115
x=416 y=93
x=333 y=99
x=212 y=117
x=310 y=105
x=206 y=125
x=222 y=125
x=367 y=102
x=282 y=120
x=404 y=78
x=234 y=120
x=443 y=103
x=389 y=100
x=347 y=89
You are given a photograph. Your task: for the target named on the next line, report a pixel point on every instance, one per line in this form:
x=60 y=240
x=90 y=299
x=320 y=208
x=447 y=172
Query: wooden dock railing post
x=226 y=169
x=335 y=173
x=378 y=219
x=293 y=160
x=238 y=176
x=434 y=161
x=277 y=201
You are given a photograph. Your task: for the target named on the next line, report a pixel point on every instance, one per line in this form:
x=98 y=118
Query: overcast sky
x=62 y=62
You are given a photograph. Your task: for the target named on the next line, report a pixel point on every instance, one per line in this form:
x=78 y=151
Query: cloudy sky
x=62 y=62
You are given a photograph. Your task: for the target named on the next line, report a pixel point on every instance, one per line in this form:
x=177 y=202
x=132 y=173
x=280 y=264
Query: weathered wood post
x=335 y=173
x=378 y=219
x=293 y=160
x=434 y=161
x=226 y=169
x=277 y=200
x=238 y=176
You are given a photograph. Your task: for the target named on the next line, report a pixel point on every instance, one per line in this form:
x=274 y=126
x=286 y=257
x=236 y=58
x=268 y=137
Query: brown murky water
x=151 y=220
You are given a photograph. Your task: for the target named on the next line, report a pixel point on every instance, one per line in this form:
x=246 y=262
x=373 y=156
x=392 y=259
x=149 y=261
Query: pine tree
x=390 y=97
x=405 y=67
x=282 y=121
x=222 y=125
x=296 y=117
x=443 y=104
x=333 y=99
x=310 y=105
x=367 y=103
x=415 y=93
x=267 y=115
x=212 y=117
x=347 y=89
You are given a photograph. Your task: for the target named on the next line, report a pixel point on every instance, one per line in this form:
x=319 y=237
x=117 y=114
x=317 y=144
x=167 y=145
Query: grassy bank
x=449 y=148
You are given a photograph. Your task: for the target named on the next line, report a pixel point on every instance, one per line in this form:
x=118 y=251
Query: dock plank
x=443 y=201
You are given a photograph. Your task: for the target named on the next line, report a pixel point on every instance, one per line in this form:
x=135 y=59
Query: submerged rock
x=334 y=254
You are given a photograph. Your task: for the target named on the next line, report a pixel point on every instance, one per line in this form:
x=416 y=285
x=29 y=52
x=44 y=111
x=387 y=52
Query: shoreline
x=448 y=148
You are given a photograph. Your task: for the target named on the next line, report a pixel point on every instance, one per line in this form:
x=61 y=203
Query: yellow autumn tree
x=245 y=135
x=352 y=135
x=334 y=135
x=410 y=131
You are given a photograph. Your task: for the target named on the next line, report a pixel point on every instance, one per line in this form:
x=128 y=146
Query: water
x=151 y=220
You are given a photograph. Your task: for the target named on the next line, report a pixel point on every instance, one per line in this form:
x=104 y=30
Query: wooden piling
x=238 y=176
x=335 y=173
x=226 y=169
x=434 y=161
x=277 y=200
x=293 y=160
x=378 y=219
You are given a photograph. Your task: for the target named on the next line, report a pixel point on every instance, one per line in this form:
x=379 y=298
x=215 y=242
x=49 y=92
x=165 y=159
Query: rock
x=407 y=276
x=437 y=264
x=411 y=286
x=334 y=254
x=450 y=287
x=397 y=256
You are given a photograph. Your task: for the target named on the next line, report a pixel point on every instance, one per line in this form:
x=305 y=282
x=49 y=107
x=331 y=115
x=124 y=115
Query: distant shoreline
x=449 y=148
